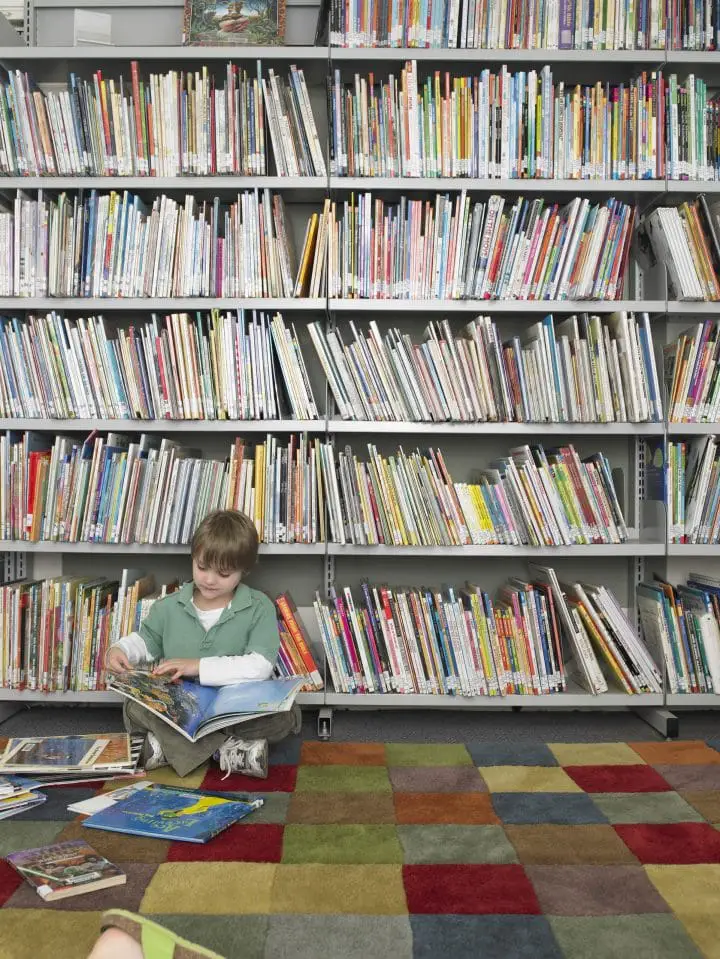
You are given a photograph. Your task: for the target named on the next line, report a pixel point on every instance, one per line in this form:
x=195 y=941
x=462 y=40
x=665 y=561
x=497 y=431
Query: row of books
x=56 y=632
x=584 y=369
x=166 y=124
x=531 y=639
x=243 y=366
x=153 y=490
x=693 y=491
x=523 y=125
x=683 y=624
x=112 y=245
x=530 y=24
x=454 y=248
x=692 y=369
x=212 y=366
x=686 y=239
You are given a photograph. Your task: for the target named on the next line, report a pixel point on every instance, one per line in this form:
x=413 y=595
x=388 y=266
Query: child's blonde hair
x=226 y=540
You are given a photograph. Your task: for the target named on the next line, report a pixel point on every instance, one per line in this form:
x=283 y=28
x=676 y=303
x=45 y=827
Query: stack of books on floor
x=683 y=624
x=534 y=637
x=29 y=764
x=585 y=369
x=524 y=125
x=179 y=123
x=242 y=365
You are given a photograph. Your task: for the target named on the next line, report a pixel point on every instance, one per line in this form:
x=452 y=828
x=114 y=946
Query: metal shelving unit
x=54 y=60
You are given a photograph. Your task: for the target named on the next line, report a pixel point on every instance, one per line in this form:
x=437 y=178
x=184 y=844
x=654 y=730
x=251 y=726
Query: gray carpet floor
x=408 y=725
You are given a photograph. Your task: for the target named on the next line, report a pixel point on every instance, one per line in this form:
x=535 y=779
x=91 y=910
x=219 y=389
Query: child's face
x=215 y=586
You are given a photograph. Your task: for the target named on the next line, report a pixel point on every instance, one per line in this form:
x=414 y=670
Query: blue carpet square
x=55 y=806
x=568 y=809
x=510 y=754
x=286 y=752
x=483 y=937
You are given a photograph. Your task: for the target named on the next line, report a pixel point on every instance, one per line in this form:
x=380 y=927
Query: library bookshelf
x=306 y=568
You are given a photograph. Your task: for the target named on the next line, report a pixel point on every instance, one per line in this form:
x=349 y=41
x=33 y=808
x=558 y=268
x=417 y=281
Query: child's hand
x=116 y=661
x=176 y=668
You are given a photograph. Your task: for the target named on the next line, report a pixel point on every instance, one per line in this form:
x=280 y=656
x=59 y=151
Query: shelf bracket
x=324 y=722
x=661 y=719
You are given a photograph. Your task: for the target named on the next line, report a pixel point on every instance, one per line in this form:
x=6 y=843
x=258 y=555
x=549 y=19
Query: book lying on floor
x=167 y=812
x=41 y=780
x=87 y=807
x=65 y=869
x=57 y=754
x=20 y=802
x=195 y=711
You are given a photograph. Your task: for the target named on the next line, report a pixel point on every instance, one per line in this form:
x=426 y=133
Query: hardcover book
x=194 y=710
x=215 y=23
x=65 y=869
x=66 y=753
x=166 y=812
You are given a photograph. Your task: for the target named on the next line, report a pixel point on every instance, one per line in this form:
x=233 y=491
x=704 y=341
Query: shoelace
x=232 y=756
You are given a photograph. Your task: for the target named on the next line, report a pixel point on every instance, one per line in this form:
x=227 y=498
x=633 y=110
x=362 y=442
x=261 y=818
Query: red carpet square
x=618 y=779
x=672 y=844
x=239 y=843
x=342 y=754
x=469 y=890
x=9 y=881
x=280 y=779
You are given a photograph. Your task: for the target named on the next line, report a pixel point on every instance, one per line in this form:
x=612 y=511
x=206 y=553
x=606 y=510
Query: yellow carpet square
x=528 y=779
x=60 y=935
x=595 y=754
x=168 y=777
x=693 y=893
x=372 y=890
x=210 y=888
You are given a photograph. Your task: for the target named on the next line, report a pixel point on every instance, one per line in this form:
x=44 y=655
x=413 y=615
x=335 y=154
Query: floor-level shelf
x=693 y=700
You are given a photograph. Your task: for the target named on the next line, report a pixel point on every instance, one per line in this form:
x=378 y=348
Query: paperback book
x=165 y=812
x=65 y=869
x=57 y=754
x=195 y=711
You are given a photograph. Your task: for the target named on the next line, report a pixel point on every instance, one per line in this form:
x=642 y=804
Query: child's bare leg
x=116 y=944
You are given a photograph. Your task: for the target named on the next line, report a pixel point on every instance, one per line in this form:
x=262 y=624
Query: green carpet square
x=427 y=754
x=27 y=835
x=273 y=810
x=42 y=934
x=357 y=843
x=221 y=934
x=455 y=844
x=651 y=936
x=645 y=808
x=351 y=779
x=210 y=888
x=361 y=890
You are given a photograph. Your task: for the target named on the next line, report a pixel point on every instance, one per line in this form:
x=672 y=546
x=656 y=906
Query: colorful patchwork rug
x=414 y=851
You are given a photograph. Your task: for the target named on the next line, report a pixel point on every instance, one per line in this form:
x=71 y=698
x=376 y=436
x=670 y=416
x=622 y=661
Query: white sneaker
x=248 y=756
x=154 y=755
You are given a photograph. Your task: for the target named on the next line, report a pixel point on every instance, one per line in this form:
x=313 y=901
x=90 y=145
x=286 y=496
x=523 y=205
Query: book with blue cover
x=167 y=812
x=194 y=710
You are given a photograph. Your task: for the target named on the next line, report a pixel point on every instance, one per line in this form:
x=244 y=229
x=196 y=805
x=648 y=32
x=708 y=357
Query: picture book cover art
x=65 y=869
x=194 y=710
x=167 y=812
x=58 y=753
x=215 y=23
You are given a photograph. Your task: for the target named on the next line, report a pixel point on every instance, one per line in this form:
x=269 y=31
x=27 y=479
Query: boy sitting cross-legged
x=215 y=630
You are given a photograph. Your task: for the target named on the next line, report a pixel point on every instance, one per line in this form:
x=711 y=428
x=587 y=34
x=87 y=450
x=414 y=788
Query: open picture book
x=195 y=711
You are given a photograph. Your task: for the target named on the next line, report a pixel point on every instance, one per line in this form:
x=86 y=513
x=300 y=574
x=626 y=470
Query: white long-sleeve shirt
x=214 y=670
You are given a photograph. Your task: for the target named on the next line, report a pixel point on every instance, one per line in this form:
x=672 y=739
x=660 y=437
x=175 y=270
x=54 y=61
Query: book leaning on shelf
x=683 y=624
x=522 y=125
x=692 y=373
x=195 y=711
x=693 y=490
x=534 y=638
x=179 y=123
x=207 y=366
x=583 y=369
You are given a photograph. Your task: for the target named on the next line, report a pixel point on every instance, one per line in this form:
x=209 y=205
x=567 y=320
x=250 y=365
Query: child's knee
x=116 y=944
